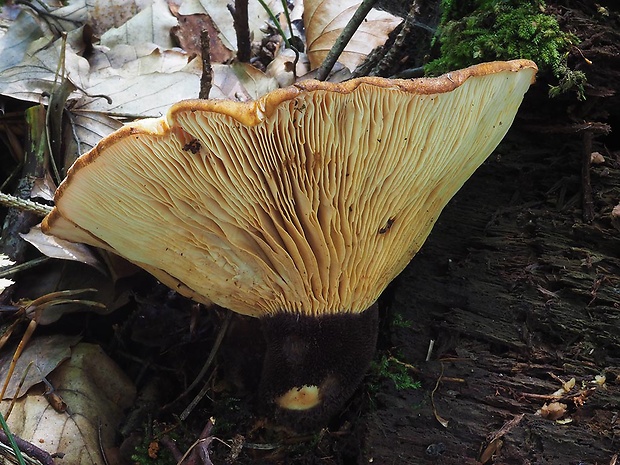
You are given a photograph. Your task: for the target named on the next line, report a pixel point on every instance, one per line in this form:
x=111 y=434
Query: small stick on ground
x=29 y=449
x=206 y=78
x=240 y=21
x=205 y=368
x=344 y=38
x=586 y=183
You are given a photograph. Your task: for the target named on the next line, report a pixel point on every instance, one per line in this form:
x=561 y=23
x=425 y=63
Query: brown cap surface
x=309 y=200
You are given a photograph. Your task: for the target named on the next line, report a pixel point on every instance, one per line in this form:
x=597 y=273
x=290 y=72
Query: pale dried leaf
x=131 y=60
x=43 y=354
x=43 y=188
x=102 y=15
x=140 y=80
x=36 y=74
x=16 y=42
x=87 y=128
x=58 y=248
x=255 y=82
x=242 y=81
x=144 y=95
x=5 y=261
x=5 y=283
x=324 y=21
x=96 y=392
x=281 y=68
x=151 y=25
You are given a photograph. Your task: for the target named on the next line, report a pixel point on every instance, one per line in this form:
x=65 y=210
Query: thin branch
x=586 y=183
x=11 y=201
x=205 y=368
x=206 y=78
x=344 y=38
x=29 y=449
x=242 y=28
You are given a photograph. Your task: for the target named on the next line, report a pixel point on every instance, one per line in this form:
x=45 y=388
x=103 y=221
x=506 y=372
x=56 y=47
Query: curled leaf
x=324 y=21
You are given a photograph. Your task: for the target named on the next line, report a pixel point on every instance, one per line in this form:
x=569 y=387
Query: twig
x=554 y=397
x=406 y=365
x=201 y=445
x=586 y=183
x=24 y=205
x=592 y=126
x=206 y=78
x=429 y=352
x=205 y=368
x=507 y=427
x=22 y=266
x=438 y=417
x=18 y=351
x=29 y=449
x=240 y=21
x=169 y=444
x=344 y=38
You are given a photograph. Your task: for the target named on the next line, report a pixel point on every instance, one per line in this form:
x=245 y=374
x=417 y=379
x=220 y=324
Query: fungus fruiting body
x=298 y=208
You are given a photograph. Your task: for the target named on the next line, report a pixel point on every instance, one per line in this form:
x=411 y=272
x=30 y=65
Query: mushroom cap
x=309 y=200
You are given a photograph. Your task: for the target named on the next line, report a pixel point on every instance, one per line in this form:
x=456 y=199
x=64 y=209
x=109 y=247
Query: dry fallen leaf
x=5 y=262
x=85 y=129
x=188 y=33
x=552 y=411
x=151 y=25
x=95 y=391
x=35 y=75
x=102 y=15
x=15 y=43
x=282 y=66
x=324 y=21
x=58 y=248
x=43 y=353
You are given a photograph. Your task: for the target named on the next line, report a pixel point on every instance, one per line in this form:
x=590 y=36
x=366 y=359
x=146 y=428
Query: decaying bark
x=520 y=295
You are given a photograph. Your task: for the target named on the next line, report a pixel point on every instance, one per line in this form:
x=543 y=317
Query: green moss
x=486 y=30
x=400 y=322
x=151 y=452
x=388 y=367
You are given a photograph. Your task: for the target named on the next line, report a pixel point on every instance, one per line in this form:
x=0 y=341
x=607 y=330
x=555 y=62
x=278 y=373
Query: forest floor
x=517 y=287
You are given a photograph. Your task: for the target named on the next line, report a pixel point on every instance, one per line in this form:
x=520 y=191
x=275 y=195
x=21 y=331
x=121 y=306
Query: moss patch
x=486 y=30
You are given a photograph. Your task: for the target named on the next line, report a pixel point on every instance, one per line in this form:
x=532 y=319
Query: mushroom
x=298 y=208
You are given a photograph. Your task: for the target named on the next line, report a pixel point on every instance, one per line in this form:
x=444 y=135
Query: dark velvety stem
x=332 y=352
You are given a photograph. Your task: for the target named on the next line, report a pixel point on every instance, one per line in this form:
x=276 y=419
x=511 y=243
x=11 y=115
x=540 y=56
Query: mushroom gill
x=298 y=208
x=309 y=200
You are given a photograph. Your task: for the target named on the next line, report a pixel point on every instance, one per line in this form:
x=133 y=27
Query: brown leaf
x=96 y=392
x=324 y=21
x=57 y=248
x=553 y=411
x=44 y=354
x=187 y=34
